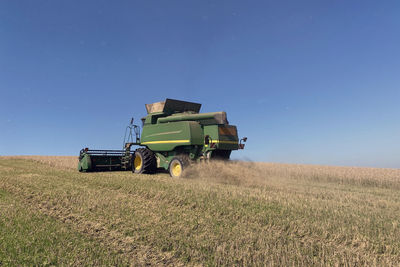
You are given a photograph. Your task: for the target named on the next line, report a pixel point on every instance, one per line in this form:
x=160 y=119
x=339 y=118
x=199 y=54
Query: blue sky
x=306 y=81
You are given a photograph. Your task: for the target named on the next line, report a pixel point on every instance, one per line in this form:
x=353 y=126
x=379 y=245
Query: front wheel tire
x=144 y=161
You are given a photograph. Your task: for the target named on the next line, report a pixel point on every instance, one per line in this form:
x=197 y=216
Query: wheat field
x=220 y=213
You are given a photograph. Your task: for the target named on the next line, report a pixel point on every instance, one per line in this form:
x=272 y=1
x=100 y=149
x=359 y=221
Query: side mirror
x=241 y=146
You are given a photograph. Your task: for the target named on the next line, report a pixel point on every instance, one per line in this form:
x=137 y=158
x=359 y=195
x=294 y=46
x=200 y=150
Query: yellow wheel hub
x=176 y=169
x=138 y=163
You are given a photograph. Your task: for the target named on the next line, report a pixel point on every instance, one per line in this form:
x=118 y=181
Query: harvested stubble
x=221 y=214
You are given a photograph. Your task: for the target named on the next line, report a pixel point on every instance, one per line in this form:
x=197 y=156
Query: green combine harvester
x=174 y=135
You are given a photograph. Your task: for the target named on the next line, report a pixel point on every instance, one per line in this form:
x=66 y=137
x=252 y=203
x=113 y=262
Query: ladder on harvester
x=127 y=159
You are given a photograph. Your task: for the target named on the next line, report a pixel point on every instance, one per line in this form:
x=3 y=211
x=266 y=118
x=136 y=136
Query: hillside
x=236 y=213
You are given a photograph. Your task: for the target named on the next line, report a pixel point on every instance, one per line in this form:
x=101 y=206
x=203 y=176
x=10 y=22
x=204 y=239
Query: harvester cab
x=174 y=134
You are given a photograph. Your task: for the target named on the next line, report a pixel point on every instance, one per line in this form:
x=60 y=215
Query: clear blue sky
x=306 y=81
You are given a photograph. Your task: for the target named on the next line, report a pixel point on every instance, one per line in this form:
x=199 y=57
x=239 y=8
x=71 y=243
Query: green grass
x=59 y=216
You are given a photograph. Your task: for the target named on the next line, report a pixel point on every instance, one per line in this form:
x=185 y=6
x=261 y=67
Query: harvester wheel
x=144 y=161
x=177 y=165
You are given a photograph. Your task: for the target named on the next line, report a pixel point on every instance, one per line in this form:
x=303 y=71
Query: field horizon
x=234 y=160
x=235 y=213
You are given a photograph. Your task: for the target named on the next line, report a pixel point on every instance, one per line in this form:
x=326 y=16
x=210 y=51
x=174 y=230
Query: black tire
x=144 y=161
x=177 y=165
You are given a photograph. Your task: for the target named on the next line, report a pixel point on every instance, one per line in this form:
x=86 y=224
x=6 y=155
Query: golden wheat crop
x=259 y=173
x=61 y=162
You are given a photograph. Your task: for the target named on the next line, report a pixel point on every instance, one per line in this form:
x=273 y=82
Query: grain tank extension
x=174 y=134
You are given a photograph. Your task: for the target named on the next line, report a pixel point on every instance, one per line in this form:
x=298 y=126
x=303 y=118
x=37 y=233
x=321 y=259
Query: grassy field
x=221 y=214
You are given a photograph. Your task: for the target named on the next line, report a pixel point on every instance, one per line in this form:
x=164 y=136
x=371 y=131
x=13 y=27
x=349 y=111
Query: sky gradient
x=314 y=82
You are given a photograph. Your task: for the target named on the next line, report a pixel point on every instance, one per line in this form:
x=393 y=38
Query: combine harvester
x=174 y=135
